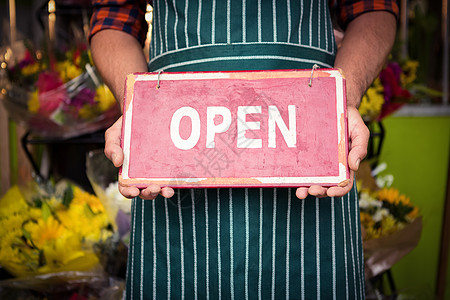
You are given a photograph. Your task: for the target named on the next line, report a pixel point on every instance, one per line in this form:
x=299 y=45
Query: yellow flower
x=31 y=69
x=10 y=237
x=67 y=70
x=45 y=230
x=33 y=102
x=54 y=238
x=413 y=214
x=81 y=197
x=83 y=222
x=409 y=73
x=12 y=224
x=367 y=220
x=63 y=250
x=372 y=233
x=12 y=202
x=34 y=213
x=372 y=101
x=17 y=256
x=388 y=225
x=104 y=97
x=390 y=195
x=87 y=111
x=78 y=60
x=54 y=203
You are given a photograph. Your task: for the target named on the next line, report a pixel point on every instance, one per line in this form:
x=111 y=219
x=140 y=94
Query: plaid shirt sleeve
x=124 y=15
x=348 y=10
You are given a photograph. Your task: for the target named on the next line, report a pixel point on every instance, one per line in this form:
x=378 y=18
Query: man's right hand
x=114 y=152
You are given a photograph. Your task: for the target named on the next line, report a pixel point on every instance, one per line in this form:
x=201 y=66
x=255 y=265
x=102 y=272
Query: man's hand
x=117 y=54
x=114 y=152
x=359 y=138
x=362 y=51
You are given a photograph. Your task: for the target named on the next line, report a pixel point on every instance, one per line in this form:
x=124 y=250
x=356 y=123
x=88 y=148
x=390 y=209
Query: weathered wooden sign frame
x=284 y=128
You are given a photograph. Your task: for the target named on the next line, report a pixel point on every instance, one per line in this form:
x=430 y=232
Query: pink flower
x=390 y=78
x=47 y=81
x=52 y=93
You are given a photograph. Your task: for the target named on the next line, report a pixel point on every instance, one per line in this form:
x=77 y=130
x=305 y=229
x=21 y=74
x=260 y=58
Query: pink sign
x=235 y=129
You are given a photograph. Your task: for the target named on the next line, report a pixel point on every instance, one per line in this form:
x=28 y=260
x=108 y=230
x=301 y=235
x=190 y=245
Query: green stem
x=13 y=151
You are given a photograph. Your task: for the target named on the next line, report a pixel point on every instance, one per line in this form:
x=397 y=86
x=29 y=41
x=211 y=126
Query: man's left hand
x=359 y=139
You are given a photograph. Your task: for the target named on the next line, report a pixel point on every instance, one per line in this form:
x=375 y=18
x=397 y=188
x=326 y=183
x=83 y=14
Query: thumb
x=113 y=149
x=359 y=138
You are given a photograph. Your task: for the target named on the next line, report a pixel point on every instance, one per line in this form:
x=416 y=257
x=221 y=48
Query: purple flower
x=84 y=96
x=123 y=223
x=27 y=60
x=396 y=69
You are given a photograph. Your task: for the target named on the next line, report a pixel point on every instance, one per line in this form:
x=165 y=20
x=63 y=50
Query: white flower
x=367 y=201
x=113 y=195
x=380 y=214
x=384 y=181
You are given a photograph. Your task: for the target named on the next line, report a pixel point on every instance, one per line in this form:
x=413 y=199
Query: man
x=245 y=243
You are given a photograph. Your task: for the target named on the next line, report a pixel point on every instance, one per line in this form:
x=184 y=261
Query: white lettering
x=243 y=126
x=289 y=134
x=191 y=141
x=211 y=127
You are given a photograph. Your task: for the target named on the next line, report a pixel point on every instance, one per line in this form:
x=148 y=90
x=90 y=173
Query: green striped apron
x=244 y=243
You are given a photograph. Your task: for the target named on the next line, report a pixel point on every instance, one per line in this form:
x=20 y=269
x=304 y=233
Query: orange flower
x=390 y=195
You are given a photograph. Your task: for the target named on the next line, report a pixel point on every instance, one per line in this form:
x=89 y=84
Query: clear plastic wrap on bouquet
x=92 y=284
x=55 y=92
x=103 y=177
x=79 y=106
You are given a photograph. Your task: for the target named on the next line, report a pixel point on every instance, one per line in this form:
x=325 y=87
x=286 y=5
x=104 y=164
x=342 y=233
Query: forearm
x=116 y=54
x=367 y=42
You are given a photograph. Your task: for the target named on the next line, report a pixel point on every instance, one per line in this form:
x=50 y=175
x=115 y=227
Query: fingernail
x=357 y=163
x=113 y=157
x=344 y=183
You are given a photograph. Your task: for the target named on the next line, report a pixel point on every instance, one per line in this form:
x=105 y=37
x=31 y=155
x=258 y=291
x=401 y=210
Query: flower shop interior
x=64 y=227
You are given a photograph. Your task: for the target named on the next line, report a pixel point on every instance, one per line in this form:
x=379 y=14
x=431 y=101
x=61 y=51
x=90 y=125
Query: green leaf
x=46 y=211
x=68 y=196
x=88 y=211
x=26 y=234
x=422 y=89
x=37 y=201
x=42 y=260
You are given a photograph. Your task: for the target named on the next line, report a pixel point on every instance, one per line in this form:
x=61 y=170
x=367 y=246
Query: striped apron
x=255 y=243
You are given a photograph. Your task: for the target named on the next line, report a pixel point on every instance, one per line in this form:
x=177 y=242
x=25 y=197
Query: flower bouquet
x=102 y=175
x=53 y=240
x=394 y=87
x=50 y=230
x=56 y=94
x=391 y=224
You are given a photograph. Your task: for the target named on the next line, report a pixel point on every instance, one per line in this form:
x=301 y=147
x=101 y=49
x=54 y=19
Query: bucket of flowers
x=56 y=93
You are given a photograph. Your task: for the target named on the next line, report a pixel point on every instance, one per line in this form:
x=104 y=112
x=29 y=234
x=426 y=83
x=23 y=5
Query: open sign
x=235 y=129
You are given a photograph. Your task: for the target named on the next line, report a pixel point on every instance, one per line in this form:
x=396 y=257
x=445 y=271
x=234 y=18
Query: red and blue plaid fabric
x=129 y=15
